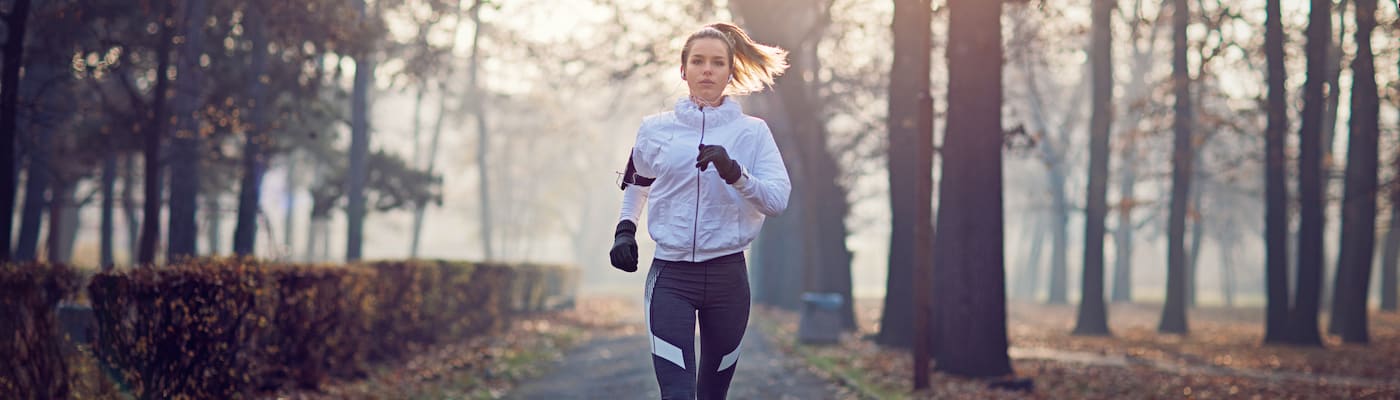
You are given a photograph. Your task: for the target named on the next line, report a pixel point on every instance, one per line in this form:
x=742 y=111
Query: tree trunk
x=214 y=234
x=972 y=299
x=38 y=173
x=67 y=225
x=1174 y=311
x=1276 y=185
x=133 y=222
x=184 y=171
x=1059 y=257
x=1227 y=269
x=313 y=239
x=245 y=229
x=909 y=83
x=1392 y=248
x=483 y=145
x=1029 y=278
x=358 y=174
x=150 y=227
x=777 y=254
x=15 y=22
x=109 y=201
x=1359 y=200
x=1093 y=314
x=421 y=204
x=56 y=215
x=1198 y=233
x=1303 y=329
x=289 y=222
x=1329 y=136
x=1123 y=235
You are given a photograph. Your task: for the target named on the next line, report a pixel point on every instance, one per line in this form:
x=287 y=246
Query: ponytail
x=753 y=65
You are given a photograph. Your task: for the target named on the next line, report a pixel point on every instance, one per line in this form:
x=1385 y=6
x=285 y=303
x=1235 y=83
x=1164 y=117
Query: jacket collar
x=688 y=113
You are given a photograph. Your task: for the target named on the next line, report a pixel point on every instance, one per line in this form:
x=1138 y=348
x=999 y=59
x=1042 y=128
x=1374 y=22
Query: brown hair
x=754 y=65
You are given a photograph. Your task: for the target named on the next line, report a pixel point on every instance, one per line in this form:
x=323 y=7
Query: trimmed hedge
x=226 y=328
x=33 y=366
x=183 y=331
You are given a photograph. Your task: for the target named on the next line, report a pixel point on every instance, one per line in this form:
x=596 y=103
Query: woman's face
x=707 y=69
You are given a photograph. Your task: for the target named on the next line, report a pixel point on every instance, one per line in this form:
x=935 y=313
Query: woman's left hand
x=715 y=154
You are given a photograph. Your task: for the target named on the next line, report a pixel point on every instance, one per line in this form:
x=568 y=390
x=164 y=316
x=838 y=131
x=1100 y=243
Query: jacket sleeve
x=634 y=201
x=636 y=189
x=765 y=184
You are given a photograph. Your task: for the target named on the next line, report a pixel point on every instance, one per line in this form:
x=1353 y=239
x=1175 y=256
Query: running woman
x=712 y=174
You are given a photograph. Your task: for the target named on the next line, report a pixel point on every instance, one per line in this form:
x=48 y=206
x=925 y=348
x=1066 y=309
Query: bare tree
x=909 y=89
x=1303 y=327
x=1174 y=311
x=1093 y=314
x=1276 y=210
x=1359 y=201
x=970 y=279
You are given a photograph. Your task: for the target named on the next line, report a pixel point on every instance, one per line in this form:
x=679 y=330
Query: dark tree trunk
x=15 y=22
x=359 y=150
x=38 y=173
x=1093 y=314
x=1174 y=311
x=185 y=143
x=63 y=221
x=909 y=83
x=245 y=230
x=777 y=260
x=109 y=201
x=1303 y=327
x=1276 y=184
x=972 y=300
x=150 y=227
x=1359 y=199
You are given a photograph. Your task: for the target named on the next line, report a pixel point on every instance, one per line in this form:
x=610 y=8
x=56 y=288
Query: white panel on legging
x=660 y=347
x=730 y=359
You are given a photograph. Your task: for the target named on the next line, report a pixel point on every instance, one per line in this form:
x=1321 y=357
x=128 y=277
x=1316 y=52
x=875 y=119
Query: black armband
x=630 y=177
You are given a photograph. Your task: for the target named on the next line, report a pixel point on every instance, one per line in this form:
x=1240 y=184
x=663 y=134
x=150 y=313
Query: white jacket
x=695 y=216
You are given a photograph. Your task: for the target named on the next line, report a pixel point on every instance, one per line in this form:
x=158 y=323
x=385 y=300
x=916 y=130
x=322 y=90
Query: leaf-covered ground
x=484 y=368
x=1221 y=358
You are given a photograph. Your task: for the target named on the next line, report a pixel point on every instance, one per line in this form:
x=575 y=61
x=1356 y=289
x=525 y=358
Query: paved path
x=619 y=368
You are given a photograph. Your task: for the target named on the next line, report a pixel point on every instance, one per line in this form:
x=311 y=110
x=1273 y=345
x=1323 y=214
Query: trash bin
x=821 y=318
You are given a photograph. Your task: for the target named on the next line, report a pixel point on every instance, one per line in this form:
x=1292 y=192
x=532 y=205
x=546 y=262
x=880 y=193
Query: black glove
x=715 y=154
x=624 y=249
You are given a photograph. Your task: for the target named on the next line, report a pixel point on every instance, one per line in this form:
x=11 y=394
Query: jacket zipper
x=695 y=226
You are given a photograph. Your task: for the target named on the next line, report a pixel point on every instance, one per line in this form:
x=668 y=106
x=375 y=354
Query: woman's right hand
x=624 y=248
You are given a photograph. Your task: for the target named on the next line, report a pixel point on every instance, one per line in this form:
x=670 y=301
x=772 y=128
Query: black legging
x=715 y=291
